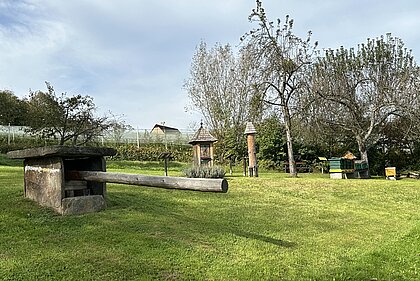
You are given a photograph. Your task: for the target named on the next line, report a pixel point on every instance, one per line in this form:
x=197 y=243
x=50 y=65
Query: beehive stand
x=45 y=181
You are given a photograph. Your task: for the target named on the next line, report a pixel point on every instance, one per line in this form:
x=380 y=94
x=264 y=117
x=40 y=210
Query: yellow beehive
x=390 y=172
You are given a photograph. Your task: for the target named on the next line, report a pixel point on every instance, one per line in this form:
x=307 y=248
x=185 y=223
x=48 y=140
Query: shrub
x=215 y=172
x=151 y=152
x=268 y=164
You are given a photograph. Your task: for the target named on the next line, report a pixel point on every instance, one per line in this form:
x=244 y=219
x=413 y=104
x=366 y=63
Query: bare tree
x=361 y=90
x=219 y=87
x=282 y=60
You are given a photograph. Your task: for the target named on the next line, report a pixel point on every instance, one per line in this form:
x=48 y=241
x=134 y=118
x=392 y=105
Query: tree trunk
x=289 y=141
x=62 y=140
x=363 y=151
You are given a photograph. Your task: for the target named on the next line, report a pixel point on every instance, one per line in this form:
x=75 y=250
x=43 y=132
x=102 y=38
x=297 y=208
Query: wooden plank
x=75 y=185
x=197 y=184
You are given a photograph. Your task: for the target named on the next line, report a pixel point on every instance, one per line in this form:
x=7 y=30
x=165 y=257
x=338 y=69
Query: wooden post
x=244 y=165
x=138 y=138
x=197 y=184
x=8 y=135
x=230 y=156
x=252 y=153
x=165 y=156
x=166 y=166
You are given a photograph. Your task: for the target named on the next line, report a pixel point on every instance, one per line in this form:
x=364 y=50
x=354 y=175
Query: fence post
x=8 y=135
x=138 y=138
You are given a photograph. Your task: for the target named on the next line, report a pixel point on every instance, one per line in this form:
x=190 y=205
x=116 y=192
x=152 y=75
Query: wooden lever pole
x=197 y=184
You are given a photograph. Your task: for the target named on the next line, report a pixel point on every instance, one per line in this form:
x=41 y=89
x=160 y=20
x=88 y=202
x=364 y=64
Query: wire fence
x=138 y=136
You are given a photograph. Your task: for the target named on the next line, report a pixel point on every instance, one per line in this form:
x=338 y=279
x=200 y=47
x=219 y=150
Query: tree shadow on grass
x=155 y=205
x=277 y=242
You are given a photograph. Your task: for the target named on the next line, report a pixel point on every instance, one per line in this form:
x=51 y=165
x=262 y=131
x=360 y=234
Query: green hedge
x=151 y=152
x=146 y=152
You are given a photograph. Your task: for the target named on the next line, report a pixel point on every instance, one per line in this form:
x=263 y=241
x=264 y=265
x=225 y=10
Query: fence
x=10 y=133
x=140 y=136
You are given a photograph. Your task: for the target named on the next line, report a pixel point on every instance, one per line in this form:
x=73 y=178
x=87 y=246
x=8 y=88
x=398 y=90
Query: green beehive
x=335 y=163
x=341 y=165
x=361 y=165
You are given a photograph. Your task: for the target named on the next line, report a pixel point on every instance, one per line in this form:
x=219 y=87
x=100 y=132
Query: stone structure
x=45 y=177
x=71 y=180
x=203 y=150
x=252 y=152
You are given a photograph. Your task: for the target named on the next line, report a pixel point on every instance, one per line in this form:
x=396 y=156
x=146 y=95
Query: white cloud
x=132 y=56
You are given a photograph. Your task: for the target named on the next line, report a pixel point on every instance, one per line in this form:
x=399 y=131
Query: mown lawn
x=266 y=228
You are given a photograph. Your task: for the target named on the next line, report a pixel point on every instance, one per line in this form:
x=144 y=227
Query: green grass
x=4 y=161
x=267 y=228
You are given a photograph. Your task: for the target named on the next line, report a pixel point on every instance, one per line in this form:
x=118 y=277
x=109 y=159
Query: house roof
x=165 y=128
x=202 y=135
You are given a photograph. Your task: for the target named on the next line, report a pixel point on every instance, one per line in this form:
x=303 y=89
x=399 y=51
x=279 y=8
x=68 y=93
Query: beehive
x=341 y=165
x=390 y=172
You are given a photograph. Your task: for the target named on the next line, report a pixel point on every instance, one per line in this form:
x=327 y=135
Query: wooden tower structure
x=203 y=150
x=250 y=133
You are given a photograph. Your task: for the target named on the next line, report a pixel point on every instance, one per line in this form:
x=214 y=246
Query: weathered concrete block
x=82 y=205
x=44 y=179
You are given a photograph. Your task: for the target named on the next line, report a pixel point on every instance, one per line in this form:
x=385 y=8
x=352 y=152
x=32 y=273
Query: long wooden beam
x=197 y=184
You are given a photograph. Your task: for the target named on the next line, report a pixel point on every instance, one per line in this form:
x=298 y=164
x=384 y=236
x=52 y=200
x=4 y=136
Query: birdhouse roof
x=202 y=135
x=250 y=129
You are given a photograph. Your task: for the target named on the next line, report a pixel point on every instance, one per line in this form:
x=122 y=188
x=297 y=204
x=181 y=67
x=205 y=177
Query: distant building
x=165 y=131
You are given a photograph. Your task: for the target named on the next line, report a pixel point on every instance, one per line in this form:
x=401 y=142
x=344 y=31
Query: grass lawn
x=267 y=228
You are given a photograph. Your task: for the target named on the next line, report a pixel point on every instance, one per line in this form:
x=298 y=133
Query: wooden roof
x=250 y=129
x=202 y=135
x=349 y=155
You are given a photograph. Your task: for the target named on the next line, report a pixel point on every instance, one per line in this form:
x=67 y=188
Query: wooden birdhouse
x=203 y=151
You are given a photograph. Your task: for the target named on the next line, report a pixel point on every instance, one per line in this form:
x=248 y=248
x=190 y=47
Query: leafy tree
x=70 y=119
x=219 y=87
x=12 y=110
x=282 y=60
x=271 y=142
x=360 y=91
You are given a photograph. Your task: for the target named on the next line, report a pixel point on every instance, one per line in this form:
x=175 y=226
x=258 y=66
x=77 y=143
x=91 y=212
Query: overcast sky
x=133 y=56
